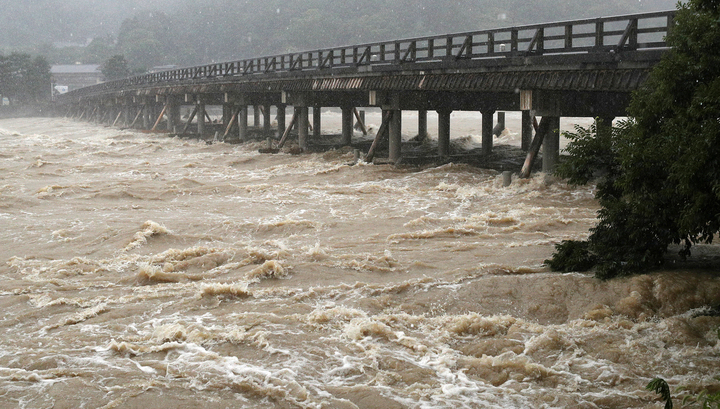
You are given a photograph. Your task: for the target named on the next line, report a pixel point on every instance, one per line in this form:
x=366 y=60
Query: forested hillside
x=184 y=32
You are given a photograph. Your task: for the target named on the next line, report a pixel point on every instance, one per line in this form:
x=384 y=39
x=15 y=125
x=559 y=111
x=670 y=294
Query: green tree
x=115 y=67
x=146 y=40
x=24 y=80
x=99 y=50
x=661 y=171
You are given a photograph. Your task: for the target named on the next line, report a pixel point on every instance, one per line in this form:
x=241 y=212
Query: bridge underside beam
x=580 y=104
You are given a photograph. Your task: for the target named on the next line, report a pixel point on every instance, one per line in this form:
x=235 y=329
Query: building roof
x=75 y=69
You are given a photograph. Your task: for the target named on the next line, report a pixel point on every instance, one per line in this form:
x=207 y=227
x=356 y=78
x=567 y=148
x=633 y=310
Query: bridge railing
x=616 y=34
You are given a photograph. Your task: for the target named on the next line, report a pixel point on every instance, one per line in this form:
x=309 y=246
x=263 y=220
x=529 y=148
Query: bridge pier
x=280 y=120
x=551 y=144
x=173 y=114
x=347 y=125
x=500 y=127
x=302 y=126
x=227 y=115
x=127 y=111
x=395 y=138
x=487 y=132
x=443 y=132
x=527 y=130
x=200 y=117
x=422 y=124
x=317 y=121
x=267 y=121
x=146 y=115
x=243 y=123
x=256 y=116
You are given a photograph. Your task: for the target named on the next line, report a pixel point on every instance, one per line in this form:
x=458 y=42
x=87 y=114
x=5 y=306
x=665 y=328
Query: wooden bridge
x=581 y=68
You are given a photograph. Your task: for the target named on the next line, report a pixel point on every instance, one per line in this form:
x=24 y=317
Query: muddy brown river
x=145 y=271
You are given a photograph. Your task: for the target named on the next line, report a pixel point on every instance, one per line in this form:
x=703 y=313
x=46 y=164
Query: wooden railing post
x=568 y=36
x=599 y=34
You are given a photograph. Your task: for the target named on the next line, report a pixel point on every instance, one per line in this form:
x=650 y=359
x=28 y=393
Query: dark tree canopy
x=661 y=171
x=24 y=80
x=115 y=67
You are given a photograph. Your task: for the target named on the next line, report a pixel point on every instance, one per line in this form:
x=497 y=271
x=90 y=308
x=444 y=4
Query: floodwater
x=144 y=271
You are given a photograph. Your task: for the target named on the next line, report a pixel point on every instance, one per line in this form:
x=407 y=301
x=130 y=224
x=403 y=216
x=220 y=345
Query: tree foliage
x=115 y=67
x=660 y=172
x=661 y=387
x=24 y=80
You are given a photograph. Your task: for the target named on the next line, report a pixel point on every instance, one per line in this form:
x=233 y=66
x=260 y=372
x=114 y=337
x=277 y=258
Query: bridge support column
x=173 y=114
x=500 y=127
x=395 y=139
x=280 y=120
x=443 y=132
x=487 y=132
x=256 y=116
x=226 y=115
x=422 y=124
x=317 y=121
x=243 y=123
x=267 y=121
x=200 y=119
x=147 y=111
x=126 y=114
x=302 y=127
x=527 y=130
x=551 y=145
x=347 y=126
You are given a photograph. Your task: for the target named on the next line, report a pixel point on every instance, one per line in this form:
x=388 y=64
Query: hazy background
x=184 y=32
